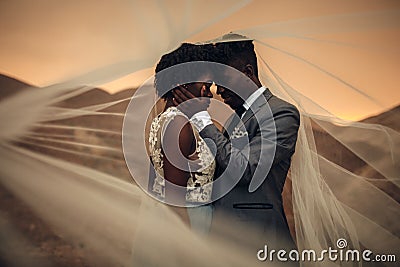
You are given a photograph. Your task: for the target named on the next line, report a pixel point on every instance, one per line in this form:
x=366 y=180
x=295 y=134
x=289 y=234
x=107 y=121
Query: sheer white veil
x=66 y=162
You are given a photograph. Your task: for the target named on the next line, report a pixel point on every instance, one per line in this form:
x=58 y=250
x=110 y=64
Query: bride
x=176 y=148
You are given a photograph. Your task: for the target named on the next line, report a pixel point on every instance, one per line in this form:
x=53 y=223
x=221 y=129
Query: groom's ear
x=248 y=71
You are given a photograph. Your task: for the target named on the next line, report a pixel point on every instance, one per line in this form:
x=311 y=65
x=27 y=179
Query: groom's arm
x=234 y=162
x=225 y=152
x=265 y=147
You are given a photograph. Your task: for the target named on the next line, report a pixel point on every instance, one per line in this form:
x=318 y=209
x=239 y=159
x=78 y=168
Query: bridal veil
x=337 y=62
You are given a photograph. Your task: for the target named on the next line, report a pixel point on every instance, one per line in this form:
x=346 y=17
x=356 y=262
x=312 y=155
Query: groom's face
x=230 y=98
x=234 y=80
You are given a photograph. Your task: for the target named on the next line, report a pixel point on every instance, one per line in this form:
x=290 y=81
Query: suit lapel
x=233 y=121
x=260 y=101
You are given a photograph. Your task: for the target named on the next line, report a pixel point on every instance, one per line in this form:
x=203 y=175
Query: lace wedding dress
x=199 y=185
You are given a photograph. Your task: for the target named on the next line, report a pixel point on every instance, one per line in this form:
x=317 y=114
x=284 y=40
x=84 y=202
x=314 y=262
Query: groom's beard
x=232 y=99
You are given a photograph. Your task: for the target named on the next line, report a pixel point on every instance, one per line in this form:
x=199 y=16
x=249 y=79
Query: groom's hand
x=188 y=103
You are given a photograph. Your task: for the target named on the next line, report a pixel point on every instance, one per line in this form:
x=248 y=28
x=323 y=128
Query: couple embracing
x=234 y=175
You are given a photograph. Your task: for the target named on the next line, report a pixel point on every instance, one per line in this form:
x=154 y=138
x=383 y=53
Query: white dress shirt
x=202 y=119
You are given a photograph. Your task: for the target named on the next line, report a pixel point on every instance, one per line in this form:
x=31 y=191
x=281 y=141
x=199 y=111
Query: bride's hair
x=164 y=81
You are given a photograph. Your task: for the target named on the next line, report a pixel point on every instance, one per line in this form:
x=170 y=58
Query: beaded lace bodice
x=199 y=185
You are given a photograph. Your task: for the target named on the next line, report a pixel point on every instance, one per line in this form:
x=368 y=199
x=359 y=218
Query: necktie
x=239 y=111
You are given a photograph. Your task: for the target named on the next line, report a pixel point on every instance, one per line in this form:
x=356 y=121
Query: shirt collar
x=250 y=100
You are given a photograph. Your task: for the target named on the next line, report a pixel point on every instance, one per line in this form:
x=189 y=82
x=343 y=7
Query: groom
x=260 y=211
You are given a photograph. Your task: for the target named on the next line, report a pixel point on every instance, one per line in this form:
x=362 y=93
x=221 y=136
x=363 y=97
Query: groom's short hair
x=236 y=53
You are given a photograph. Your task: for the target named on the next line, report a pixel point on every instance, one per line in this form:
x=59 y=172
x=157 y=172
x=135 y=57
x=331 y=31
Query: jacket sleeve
x=287 y=122
x=271 y=140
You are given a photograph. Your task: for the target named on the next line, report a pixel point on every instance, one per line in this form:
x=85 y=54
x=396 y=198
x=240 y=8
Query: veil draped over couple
x=240 y=172
x=226 y=174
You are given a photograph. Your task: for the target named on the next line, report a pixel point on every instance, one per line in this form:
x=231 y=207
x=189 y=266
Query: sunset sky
x=352 y=47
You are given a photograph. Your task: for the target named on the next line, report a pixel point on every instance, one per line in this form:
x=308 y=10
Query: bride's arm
x=178 y=144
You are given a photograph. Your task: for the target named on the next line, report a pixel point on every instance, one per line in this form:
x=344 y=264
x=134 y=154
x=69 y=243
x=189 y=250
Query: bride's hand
x=188 y=103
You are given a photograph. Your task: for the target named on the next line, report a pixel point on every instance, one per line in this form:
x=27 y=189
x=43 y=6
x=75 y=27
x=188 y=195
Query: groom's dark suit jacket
x=261 y=210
